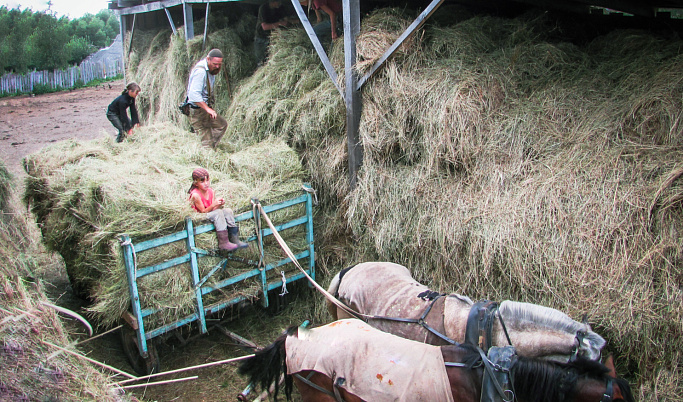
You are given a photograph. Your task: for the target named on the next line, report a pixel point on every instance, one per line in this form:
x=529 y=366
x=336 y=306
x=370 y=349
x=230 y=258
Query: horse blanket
x=395 y=286
x=375 y=365
x=385 y=289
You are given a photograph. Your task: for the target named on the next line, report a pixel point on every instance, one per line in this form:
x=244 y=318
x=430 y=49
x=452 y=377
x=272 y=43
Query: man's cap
x=215 y=53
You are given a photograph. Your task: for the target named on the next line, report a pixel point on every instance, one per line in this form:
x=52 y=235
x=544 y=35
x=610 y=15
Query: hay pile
x=86 y=194
x=161 y=63
x=27 y=372
x=504 y=163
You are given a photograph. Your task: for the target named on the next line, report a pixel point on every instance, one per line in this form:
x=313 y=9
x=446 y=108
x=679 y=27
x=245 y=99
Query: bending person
x=204 y=119
x=117 y=115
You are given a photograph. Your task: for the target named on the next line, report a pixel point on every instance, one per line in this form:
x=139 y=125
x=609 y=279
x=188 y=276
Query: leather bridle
x=608 y=395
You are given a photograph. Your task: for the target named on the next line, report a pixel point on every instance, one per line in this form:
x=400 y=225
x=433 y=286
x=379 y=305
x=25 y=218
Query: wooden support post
x=189 y=21
x=352 y=96
x=122 y=31
x=132 y=34
x=206 y=27
x=316 y=44
x=170 y=20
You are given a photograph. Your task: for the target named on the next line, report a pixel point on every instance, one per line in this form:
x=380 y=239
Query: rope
x=284 y=284
x=291 y=256
x=256 y=205
x=312 y=191
x=129 y=242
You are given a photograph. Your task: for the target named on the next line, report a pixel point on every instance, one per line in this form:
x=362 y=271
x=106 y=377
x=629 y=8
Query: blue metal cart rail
x=256 y=269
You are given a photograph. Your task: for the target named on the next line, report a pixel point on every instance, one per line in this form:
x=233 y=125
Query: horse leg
x=309 y=393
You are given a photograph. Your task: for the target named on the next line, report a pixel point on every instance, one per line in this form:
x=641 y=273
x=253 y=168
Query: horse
x=348 y=360
x=386 y=295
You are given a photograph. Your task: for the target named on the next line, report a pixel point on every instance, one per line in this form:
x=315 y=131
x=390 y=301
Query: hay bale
x=85 y=195
x=505 y=163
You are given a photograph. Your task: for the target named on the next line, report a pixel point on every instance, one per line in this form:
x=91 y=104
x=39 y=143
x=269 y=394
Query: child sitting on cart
x=202 y=200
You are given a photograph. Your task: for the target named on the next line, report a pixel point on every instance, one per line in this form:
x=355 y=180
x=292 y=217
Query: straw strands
x=29 y=372
x=504 y=163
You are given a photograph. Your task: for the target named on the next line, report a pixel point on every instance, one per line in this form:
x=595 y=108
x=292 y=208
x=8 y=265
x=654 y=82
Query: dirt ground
x=28 y=124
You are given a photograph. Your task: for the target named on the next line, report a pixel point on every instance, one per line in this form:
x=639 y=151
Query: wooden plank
x=170 y=21
x=240 y=340
x=206 y=30
x=417 y=24
x=188 y=18
x=132 y=321
x=132 y=34
x=163 y=266
x=352 y=97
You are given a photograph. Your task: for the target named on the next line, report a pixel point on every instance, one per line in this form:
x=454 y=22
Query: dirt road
x=29 y=123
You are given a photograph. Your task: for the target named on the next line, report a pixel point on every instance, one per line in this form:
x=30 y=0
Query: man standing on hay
x=204 y=119
x=271 y=15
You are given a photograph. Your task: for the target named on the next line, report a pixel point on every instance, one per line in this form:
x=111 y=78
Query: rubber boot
x=120 y=137
x=223 y=242
x=235 y=237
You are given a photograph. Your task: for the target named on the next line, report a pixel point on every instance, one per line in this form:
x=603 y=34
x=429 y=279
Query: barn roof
x=643 y=8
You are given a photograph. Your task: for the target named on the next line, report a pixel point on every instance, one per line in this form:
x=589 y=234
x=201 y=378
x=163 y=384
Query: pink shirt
x=205 y=201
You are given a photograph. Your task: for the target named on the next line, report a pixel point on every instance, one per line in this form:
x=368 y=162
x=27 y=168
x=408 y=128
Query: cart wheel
x=142 y=366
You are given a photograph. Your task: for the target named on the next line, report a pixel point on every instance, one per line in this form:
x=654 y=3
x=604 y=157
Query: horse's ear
x=609 y=363
x=584 y=319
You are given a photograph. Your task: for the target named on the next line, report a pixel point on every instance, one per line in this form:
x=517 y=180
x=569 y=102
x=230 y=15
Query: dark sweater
x=119 y=106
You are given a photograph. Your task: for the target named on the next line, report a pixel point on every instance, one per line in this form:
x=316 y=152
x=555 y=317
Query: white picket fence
x=86 y=72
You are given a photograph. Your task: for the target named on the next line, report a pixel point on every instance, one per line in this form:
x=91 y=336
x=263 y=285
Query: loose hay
x=85 y=195
x=27 y=373
x=504 y=163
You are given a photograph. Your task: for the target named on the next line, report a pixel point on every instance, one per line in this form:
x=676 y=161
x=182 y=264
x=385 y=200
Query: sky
x=63 y=8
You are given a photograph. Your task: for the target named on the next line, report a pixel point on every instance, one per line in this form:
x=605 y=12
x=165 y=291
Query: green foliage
x=40 y=88
x=41 y=41
x=78 y=49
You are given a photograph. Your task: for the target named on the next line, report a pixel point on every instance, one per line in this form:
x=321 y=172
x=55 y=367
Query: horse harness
x=496 y=384
x=335 y=385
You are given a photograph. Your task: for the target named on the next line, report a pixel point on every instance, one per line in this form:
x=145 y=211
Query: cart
x=230 y=272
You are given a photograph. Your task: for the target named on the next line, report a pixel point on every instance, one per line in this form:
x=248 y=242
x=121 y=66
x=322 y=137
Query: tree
x=47 y=43
x=42 y=41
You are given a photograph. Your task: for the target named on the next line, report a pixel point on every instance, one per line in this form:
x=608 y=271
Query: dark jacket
x=119 y=106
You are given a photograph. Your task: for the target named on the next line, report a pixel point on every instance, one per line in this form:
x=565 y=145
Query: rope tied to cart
x=292 y=257
x=129 y=242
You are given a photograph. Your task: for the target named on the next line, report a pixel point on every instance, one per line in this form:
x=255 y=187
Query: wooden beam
x=316 y=44
x=630 y=7
x=417 y=24
x=206 y=26
x=189 y=21
x=132 y=34
x=145 y=8
x=122 y=31
x=170 y=20
x=352 y=97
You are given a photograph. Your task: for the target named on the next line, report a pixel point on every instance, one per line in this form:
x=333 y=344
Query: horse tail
x=333 y=289
x=268 y=364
